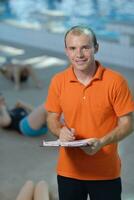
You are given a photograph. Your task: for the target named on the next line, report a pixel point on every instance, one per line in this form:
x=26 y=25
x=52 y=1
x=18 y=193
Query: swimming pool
x=59 y=15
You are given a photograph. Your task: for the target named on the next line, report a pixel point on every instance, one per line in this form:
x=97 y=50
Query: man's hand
x=67 y=134
x=94 y=146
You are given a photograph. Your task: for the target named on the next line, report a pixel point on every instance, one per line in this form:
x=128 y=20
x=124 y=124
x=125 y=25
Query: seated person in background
x=18 y=73
x=23 y=118
x=29 y=192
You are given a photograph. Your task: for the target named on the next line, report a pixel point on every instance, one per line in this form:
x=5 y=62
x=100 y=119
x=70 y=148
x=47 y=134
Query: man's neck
x=86 y=76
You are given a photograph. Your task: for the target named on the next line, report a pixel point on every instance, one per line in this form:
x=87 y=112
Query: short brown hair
x=78 y=30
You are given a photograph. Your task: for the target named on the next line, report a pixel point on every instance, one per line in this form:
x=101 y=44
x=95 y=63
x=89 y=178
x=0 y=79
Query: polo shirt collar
x=98 y=74
x=72 y=77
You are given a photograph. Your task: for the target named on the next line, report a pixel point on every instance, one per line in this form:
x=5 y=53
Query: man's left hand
x=94 y=146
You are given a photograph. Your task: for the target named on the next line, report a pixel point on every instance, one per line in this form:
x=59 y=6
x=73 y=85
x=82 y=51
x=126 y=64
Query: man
x=97 y=104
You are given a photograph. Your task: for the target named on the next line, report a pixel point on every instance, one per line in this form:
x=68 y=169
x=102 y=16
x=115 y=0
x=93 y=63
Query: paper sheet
x=76 y=143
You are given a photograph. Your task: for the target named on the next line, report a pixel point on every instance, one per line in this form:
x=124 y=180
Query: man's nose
x=79 y=52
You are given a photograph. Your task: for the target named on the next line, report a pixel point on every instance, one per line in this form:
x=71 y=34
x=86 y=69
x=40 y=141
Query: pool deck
x=118 y=52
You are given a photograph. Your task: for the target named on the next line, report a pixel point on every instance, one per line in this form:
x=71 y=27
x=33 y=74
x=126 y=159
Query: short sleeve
x=123 y=101
x=52 y=103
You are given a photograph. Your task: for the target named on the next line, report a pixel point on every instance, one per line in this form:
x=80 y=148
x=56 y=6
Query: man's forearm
x=54 y=124
x=119 y=133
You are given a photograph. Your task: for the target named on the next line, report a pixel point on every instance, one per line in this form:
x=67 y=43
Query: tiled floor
x=22 y=158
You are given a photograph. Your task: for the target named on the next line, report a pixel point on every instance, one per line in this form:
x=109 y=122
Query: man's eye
x=86 y=47
x=72 y=48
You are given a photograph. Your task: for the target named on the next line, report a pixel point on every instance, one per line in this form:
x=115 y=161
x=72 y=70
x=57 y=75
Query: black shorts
x=71 y=189
x=16 y=114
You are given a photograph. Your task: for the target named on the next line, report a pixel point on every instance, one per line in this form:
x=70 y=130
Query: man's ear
x=96 y=48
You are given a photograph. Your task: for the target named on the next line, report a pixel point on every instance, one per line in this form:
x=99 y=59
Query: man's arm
x=54 y=124
x=123 y=129
x=58 y=129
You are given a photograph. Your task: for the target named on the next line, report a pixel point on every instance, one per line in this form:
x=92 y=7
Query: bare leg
x=16 y=75
x=37 y=118
x=15 y=70
x=5 y=118
x=33 y=76
x=26 y=192
x=41 y=191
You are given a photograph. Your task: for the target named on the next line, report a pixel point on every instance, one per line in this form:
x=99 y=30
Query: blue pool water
x=94 y=13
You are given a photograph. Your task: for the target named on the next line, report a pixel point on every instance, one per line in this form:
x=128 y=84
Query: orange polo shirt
x=93 y=111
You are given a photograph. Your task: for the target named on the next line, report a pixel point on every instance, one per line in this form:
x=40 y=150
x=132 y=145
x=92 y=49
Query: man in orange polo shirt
x=97 y=105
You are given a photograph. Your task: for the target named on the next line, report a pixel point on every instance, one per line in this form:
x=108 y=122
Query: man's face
x=80 y=51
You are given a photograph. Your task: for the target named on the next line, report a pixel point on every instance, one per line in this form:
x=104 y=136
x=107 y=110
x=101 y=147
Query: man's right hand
x=67 y=134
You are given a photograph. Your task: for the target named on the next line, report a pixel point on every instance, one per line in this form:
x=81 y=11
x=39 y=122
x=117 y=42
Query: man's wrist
x=57 y=131
x=102 y=142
